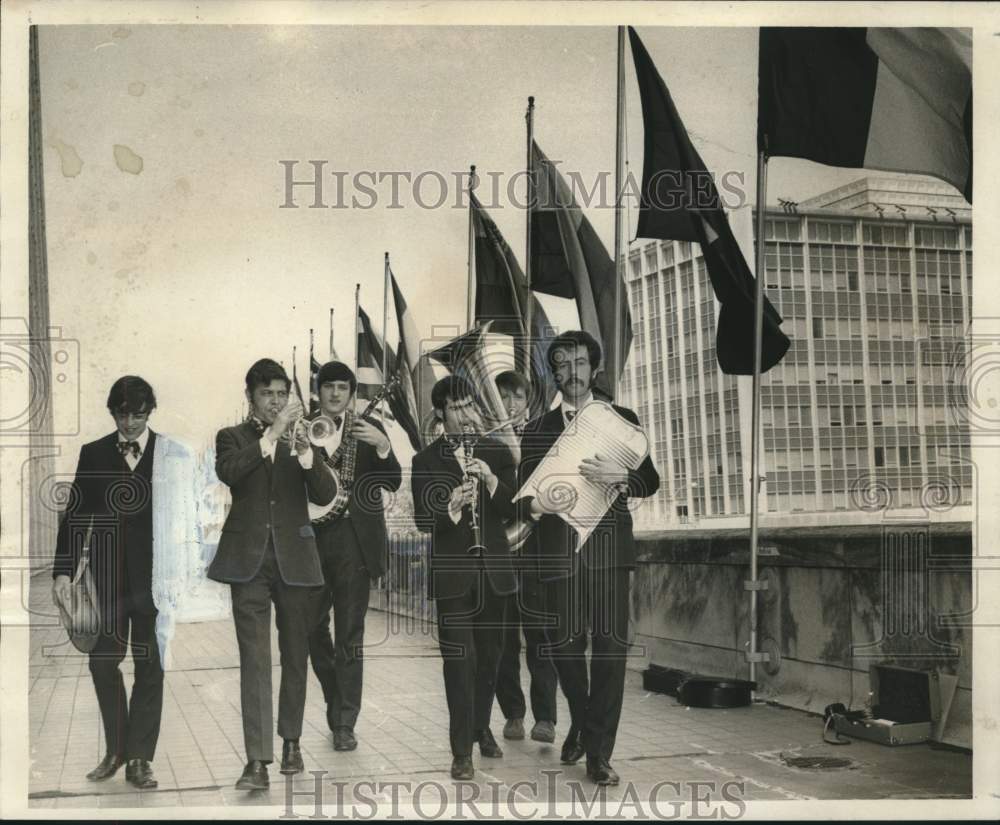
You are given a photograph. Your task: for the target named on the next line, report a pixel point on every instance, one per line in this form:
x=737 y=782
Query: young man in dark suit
x=352 y=548
x=470 y=574
x=113 y=504
x=268 y=553
x=524 y=607
x=587 y=588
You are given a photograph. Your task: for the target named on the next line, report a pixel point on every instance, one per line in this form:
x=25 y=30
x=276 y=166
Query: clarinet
x=477 y=549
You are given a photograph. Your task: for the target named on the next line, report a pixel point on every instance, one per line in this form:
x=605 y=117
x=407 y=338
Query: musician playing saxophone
x=462 y=491
x=352 y=548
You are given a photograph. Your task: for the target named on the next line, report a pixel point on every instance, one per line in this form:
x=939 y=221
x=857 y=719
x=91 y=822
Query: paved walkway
x=403 y=739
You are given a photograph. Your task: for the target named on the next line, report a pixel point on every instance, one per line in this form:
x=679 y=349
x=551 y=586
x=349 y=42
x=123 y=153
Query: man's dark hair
x=512 y=380
x=131 y=394
x=451 y=387
x=336 y=371
x=571 y=340
x=262 y=373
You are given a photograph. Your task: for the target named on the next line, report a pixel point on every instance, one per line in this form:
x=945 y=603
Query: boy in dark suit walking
x=268 y=553
x=456 y=486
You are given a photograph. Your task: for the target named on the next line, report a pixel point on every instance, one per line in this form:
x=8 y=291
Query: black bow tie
x=130 y=446
x=570 y=415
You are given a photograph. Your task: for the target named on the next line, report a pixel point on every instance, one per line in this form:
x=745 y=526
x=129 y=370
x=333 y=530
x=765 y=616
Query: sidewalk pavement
x=403 y=738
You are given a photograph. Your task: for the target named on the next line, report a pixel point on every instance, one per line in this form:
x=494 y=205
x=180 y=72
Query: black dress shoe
x=139 y=773
x=488 y=745
x=254 y=777
x=600 y=771
x=461 y=768
x=107 y=768
x=344 y=739
x=291 y=757
x=572 y=748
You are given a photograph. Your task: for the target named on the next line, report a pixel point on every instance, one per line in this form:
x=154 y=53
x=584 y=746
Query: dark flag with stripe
x=568 y=260
x=875 y=98
x=680 y=202
x=502 y=297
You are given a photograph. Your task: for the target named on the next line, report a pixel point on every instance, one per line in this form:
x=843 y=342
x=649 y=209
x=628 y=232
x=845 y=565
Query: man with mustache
x=268 y=553
x=586 y=588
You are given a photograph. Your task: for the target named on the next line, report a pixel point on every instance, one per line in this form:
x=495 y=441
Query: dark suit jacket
x=116 y=502
x=553 y=542
x=453 y=571
x=269 y=500
x=371 y=476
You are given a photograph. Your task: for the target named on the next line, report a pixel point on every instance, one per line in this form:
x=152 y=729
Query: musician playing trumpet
x=463 y=484
x=267 y=554
x=352 y=546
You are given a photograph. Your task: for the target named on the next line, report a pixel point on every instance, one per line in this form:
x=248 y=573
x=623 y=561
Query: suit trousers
x=470 y=633
x=131 y=728
x=293 y=605
x=337 y=661
x=592 y=602
x=525 y=609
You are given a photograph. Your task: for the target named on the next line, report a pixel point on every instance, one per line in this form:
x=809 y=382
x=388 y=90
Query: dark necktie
x=337 y=421
x=129 y=446
x=570 y=415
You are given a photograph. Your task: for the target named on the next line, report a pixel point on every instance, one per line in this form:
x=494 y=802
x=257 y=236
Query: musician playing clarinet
x=352 y=546
x=463 y=484
x=586 y=588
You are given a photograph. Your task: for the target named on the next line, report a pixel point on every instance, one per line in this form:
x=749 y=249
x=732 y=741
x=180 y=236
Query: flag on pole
x=502 y=296
x=568 y=260
x=403 y=399
x=313 y=375
x=369 y=371
x=876 y=98
x=680 y=202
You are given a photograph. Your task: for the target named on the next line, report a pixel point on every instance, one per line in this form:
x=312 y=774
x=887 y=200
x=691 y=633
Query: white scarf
x=176 y=533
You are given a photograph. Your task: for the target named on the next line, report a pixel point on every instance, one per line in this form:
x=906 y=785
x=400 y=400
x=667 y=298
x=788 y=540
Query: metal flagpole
x=470 y=309
x=311 y=359
x=385 y=335
x=753 y=585
x=528 y=313
x=357 y=303
x=619 y=180
x=332 y=348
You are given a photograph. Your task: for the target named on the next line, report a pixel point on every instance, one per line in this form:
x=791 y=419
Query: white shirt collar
x=142 y=439
x=568 y=406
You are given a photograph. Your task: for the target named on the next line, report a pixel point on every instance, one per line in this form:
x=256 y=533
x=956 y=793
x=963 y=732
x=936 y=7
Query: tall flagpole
x=619 y=181
x=332 y=348
x=385 y=335
x=357 y=303
x=753 y=656
x=470 y=309
x=528 y=310
x=312 y=358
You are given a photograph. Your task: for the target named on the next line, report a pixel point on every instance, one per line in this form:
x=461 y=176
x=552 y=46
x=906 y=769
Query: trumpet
x=469 y=438
x=318 y=429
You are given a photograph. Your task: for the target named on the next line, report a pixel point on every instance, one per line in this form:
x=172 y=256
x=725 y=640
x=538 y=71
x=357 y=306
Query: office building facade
x=865 y=414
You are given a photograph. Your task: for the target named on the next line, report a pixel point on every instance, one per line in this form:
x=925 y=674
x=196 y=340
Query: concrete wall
x=838 y=600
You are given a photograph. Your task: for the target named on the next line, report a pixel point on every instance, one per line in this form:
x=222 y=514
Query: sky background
x=188 y=271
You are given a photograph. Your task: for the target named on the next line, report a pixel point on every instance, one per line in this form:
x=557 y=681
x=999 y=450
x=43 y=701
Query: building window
x=817 y=327
x=880 y=456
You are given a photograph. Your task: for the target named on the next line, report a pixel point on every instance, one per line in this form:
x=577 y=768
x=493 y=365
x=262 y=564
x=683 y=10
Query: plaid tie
x=129 y=446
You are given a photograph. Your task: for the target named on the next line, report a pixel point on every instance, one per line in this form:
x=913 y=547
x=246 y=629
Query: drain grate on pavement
x=817 y=763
